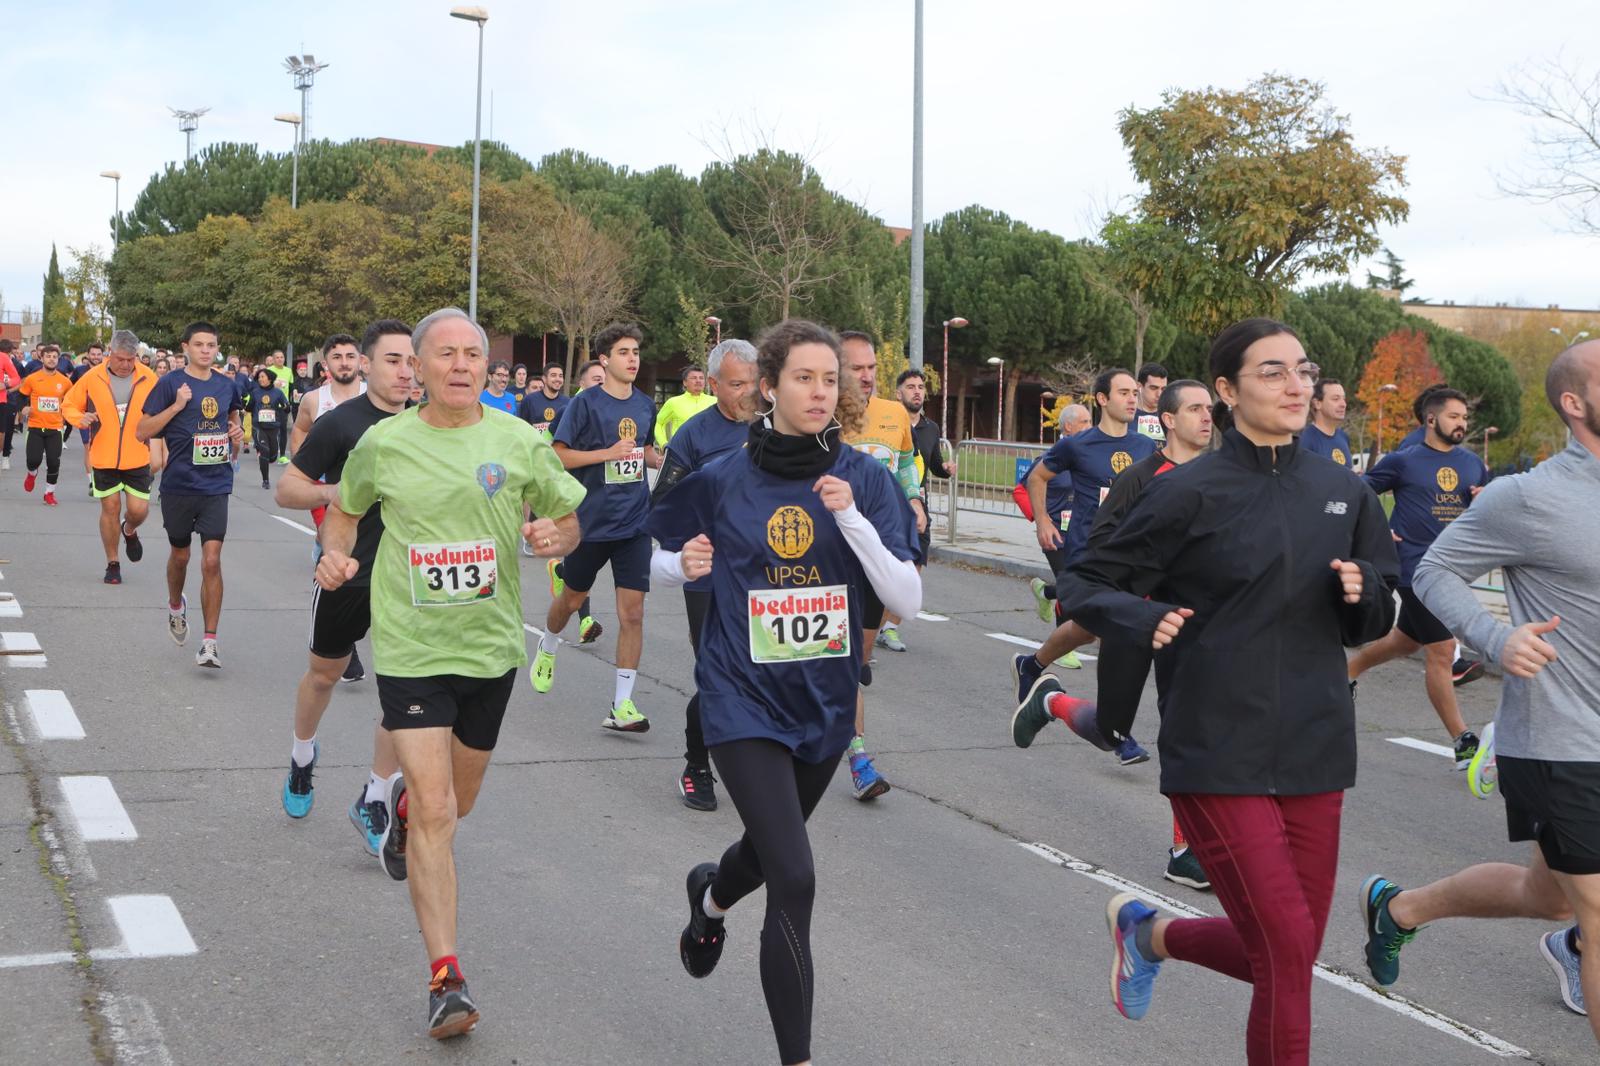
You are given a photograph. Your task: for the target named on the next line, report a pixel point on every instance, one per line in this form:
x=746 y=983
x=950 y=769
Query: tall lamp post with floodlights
x=116 y=223
x=716 y=323
x=944 y=374
x=480 y=16
x=999 y=399
x=1382 y=391
x=294 y=182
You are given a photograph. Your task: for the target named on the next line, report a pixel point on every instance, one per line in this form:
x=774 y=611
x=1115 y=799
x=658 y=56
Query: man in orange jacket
x=109 y=401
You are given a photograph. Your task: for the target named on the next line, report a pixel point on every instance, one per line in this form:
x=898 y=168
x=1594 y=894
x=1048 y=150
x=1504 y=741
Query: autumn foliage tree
x=1402 y=359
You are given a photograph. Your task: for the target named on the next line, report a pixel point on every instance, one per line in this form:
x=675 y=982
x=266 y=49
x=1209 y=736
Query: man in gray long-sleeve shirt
x=1539 y=528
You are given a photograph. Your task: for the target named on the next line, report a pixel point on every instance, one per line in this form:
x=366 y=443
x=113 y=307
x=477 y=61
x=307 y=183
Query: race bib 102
x=266 y=416
x=49 y=404
x=627 y=470
x=792 y=625
x=451 y=575
x=209 y=449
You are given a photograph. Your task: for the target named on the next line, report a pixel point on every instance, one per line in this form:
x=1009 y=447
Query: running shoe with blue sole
x=1557 y=951
x=1132 y=975
x=1129 y=753
x=1385 y=937
x=298 y=794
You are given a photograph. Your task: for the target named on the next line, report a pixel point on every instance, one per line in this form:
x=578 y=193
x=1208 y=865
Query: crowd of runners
x=1214 y=532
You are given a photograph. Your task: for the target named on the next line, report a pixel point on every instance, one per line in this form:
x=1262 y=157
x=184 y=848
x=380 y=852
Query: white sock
x=1460 y=654
x=549 y=643
x=304 y=751
x=375 y=792
x=624 y=686
x=709 y=905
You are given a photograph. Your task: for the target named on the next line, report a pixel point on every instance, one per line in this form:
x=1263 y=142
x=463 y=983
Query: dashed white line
x=151 y=928
x=18 y=647
x=1424 y=745
x=97 y=810
x=10 y=607
x=134 y=1030
x=535 y=630
x=1012 y=638
x=52 y=714
x=291 y=522
x=929 y=616
x=1399 y=1004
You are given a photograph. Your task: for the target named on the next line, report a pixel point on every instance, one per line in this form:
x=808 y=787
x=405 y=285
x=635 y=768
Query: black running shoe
x=698 y=788
x=392 y=852
x=1025 y=670
x=700 y=946
x=113 y=574
x=451 y=1011
x=132 y=545
x=353 y=670
x=1465 y=672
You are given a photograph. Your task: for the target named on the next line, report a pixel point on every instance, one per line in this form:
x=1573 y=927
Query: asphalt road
x=224 y=932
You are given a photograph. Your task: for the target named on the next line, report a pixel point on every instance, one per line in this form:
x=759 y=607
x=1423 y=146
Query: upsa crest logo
x=1338 y=457
x=208 y=407
x=549 y=413
x=789 y=532
x=1120 y=462
x=627 y=429
x=1447 y=478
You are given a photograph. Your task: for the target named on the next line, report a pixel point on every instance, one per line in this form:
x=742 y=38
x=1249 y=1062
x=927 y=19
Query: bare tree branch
x=1564 y=139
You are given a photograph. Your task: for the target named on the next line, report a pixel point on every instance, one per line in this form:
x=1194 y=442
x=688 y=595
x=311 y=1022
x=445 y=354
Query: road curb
x=980 y=561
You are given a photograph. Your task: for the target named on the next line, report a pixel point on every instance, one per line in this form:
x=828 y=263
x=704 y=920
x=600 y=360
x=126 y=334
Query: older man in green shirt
x=680 y=408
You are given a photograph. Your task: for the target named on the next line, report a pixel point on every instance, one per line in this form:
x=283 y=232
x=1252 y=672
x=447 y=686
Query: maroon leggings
x=1271 y=860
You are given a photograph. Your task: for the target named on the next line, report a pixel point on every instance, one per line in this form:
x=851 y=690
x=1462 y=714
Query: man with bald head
x=1543 y=749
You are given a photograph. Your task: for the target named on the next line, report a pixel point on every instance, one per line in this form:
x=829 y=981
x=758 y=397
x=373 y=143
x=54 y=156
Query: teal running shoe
x=1132 y=975
x=1385 y=937
x=298 y=794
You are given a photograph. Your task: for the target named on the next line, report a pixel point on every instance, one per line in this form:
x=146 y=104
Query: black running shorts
x=133 y=482
x=629 y=559
x=470 y=707
x=184 y=516
x=1417 y=622
x=1556 y=804
x=339 y=619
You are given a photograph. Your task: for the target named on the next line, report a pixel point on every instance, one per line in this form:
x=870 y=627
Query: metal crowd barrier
x=986 y=472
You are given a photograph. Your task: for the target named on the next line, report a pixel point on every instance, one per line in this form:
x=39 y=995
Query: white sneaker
x=178 y=622
x=207 y=655
x=5 y=463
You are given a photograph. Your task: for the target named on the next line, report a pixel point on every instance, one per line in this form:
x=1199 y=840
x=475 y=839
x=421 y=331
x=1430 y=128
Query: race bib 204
x=452 y=575
x=209 y=449
x=628 y=469
x=791 y=625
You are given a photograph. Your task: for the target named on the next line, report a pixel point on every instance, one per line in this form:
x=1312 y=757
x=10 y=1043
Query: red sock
x=211 y=636
x=441 y=962
x=1060 y=705
x=1178 y=843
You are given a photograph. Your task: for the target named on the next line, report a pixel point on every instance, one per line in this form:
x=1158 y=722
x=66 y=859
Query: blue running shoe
x=1129 y=753
x=1385 y=937
x=297 y=792
x=1557 y=950
x=369 y=820
x=1025 y=670
x=864 y=777
x=1132 y=975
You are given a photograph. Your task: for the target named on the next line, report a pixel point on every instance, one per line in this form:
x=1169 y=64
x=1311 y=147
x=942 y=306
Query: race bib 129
x=451 y=575
x=791 y=625
x=209 y=449
x=627 y=470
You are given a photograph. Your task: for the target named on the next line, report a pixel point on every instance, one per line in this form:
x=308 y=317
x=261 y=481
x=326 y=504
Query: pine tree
x=57 y=309
x=1393 y=276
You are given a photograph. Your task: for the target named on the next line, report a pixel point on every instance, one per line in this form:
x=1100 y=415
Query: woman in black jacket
x=1261 y=563
x=269 y=410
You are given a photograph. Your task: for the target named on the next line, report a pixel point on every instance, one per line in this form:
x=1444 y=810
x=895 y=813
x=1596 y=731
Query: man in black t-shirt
x=342 y=617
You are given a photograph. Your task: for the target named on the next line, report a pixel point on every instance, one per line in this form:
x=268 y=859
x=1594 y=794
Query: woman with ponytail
x=791 y=528
x=1261 y=564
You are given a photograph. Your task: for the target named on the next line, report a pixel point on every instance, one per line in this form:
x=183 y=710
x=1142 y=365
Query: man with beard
x=341 y=358
x=1432 y=484
x=912 y=390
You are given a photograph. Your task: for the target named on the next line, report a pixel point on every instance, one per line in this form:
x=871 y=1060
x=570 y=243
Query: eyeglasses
x=1276 y=375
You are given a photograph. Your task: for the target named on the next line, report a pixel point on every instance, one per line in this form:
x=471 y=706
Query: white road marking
x=48 y=958
x=134 y=1031
x=151 y=928
x=97 y=810
x=929 y=616
x=291 y=522
x=1010 y=638
x=22 y=642
x=10 y=608
x=52 y=714
x=535 y=630
x=1399 y=1004
x=1424 y=745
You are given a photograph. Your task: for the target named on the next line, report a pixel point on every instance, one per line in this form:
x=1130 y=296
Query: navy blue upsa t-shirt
x=199 y=455
x=1335 y=445
x=780 y=654
x=707 y=435
x=618 y=494
x=542 y=412
x=1057 y=495
x=1093 y=459
x=1431 y=488
x=1412 y=439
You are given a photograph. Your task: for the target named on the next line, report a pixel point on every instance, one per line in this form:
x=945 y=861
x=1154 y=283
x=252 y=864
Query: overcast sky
x=1022 y=97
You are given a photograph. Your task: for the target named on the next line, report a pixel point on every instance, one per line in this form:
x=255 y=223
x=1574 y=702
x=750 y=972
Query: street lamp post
x=480 y=16
x=116 y=224
x=716 y=323
x=999 y=399
x=1576 y=338
x=944 y=374
x=294 y=183
x=1488 y=431
x=1044 y=398
x=1381 y=391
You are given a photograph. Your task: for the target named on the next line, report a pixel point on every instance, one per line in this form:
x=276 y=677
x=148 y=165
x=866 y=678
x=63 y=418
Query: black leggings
x=8 y=423
x=775 y=793
x=266 y=449
x=697 y=603
x=44 y=446
x=1120 y=677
